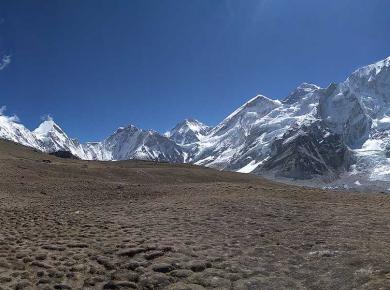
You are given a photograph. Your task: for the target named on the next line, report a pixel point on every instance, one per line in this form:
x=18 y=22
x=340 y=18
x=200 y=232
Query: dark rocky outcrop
x=64 y=154
x=308 y=151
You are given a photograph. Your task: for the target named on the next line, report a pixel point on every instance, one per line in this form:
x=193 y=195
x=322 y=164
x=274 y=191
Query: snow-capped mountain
x=243 y=141
x=126 y=143
x=52 y=138
x=133 y=143
x=188 y=131
x=359 y=110
x=340 y=134
x=226 y=142
x=10 y=129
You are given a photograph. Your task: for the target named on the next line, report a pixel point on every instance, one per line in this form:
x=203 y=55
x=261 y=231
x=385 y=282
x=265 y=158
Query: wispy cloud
x=13 y=118
x=47 y=117
x=2 y=110
x=5 y=61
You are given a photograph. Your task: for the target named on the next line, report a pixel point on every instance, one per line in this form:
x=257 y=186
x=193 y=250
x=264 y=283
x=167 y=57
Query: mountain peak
x=188 y=131
x=48 y=126
x=127 y=128
x=193 y=123
x=382 y=63
x=190 y=120
x=302 y=90
x=308 y=86
x=371 y=69
x=260 y=104
x=258 y=99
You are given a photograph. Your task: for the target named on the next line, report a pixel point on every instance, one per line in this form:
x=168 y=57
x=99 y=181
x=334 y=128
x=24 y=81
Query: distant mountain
x=339 y=134
x=230 y=140
x=126 y=143
x=133 y=143
x=52 y=138
x=188 y=131
x=10 y=129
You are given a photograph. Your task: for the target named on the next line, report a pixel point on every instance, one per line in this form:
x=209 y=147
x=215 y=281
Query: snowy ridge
x=53 y=138
x=133 y=143
x=10 y=129
x=188 y=131
x=340 y=134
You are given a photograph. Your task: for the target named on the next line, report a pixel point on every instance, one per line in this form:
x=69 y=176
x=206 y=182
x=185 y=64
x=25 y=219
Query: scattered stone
x=77 y=268
x=4 y=265
x=40 y=265
x=199 y=266
x=153 y=255
x=126 y=284
x=62 y=287
x=89 y=282
x=183 y=286
x=18 y=266
x=133 y=277
x=162 y=268
x=131 y=252
x=110 y=285
x=43 y=281
x=133 y=265
x=23 y=285
x=154 y=281
x=5 y=280
x=265 y=283
x=120 y=285
x=55 y=274
x=210 y=280
x=41 y=257
x=53 y=248
x=77 y=245
x=40 y=274
x=323 y=253
x=27 y=260
x=181 y=273
x=105 y=262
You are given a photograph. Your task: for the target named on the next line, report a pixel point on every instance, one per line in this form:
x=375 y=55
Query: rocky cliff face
x=308 y=152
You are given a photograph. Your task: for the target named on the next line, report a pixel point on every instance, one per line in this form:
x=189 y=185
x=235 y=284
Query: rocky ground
x=71 y=224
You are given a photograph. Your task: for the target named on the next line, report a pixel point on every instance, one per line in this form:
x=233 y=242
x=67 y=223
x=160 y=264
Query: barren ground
x=68 y=224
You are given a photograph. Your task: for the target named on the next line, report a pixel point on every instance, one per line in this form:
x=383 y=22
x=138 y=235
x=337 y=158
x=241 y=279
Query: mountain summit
x=188 y=131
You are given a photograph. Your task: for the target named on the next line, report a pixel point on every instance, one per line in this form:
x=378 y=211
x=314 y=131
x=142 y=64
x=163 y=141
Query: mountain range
x=337 y=136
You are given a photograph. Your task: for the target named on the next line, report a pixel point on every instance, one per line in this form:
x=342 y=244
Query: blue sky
x=97 y=65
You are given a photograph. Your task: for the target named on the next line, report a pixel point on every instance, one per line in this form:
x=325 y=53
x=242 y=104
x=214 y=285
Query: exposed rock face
x=64 y=154
x=307 y=152
x=301 y=91
x=342 y=112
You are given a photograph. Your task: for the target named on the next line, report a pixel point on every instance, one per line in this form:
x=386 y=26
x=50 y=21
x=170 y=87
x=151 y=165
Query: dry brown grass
x=69 y=224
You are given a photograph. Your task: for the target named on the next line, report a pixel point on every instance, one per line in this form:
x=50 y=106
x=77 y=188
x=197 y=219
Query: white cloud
x=47 y=117
x=13 y=118
x=5 y=61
